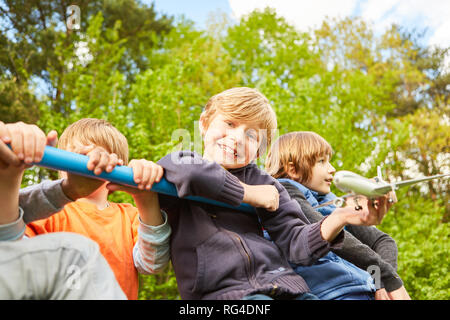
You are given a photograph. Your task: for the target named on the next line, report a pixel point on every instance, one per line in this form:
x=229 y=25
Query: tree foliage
x=378 y=99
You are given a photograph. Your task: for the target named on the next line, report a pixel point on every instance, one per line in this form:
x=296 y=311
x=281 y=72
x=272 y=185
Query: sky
x=432 y=15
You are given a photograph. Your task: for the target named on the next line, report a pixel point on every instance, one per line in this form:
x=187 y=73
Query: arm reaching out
x=193 y=176
x=372 y=213
x=46 y=198
x=27 y=145
x=151 y=252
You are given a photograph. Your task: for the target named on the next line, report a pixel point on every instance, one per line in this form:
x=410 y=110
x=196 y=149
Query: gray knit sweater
x=363 y=246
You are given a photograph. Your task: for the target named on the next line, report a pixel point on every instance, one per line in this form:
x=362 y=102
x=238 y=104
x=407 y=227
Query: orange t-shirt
x=113 y=228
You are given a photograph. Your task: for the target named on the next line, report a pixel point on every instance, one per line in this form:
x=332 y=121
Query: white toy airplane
x=356 y=185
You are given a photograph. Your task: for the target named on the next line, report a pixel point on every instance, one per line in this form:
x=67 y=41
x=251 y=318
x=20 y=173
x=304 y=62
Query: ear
x=291 y=171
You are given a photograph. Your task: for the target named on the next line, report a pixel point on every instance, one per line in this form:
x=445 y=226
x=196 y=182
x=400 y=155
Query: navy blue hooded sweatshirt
x=220 y=253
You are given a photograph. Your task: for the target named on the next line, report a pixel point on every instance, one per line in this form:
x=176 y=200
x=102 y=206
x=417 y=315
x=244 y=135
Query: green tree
x=36 y=44
x=378 y=99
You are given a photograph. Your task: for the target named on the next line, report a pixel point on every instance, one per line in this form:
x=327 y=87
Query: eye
x=252 y=135
x=229 y=123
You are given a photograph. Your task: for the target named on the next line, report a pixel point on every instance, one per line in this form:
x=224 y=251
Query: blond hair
x=302 y=148
x=98 y=132
x=244 y=104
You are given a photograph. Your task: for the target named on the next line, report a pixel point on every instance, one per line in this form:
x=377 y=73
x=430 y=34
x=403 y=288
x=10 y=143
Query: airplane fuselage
x=347 y=181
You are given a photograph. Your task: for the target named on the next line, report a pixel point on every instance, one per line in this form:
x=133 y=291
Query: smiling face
x=231 y=143
x=303 y=156
x=321 y=176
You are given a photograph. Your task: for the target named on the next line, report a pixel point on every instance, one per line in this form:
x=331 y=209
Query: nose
x=331 y=169
x=238 y=135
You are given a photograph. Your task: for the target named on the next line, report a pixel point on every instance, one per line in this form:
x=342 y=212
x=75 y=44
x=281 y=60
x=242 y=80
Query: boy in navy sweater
x=220 y=253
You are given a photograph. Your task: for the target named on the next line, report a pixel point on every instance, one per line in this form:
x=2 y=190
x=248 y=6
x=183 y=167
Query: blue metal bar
x=58 y=159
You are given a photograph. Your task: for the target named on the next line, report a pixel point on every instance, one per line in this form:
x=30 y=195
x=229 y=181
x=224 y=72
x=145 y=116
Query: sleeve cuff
x=14 y=230
x=152 y=252
x=392 y=283
x=155 y=234
x=232 y=191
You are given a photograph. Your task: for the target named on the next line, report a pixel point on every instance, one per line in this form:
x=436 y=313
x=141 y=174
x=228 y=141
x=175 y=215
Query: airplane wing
x=339 y=201
x=385 y=189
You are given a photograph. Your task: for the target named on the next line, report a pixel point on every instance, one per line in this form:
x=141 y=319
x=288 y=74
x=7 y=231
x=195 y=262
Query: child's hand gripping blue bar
x=58 y=159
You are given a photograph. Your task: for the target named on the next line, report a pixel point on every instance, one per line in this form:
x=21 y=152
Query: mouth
x=329 y=181
x=228 y=150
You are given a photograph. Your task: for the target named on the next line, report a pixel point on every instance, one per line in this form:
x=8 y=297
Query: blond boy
x=220 y=253
x=131 y=239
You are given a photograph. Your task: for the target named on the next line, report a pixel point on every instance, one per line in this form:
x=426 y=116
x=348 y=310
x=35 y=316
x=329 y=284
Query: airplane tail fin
x=379 y=175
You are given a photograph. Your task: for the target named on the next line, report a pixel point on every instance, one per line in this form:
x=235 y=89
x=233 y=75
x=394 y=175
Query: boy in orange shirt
x=54 y=266
x=131 y=239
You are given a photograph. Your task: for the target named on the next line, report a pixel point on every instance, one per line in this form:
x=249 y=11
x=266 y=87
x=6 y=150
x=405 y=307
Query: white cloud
x=431 y=14
x=412 y=14
x=304 y=14
x=376 y=10
x=442 y=33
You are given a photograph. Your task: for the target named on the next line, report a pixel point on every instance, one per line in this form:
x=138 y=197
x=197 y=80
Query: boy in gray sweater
x=43 y=200
x=52 y=266
x=300 y=162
